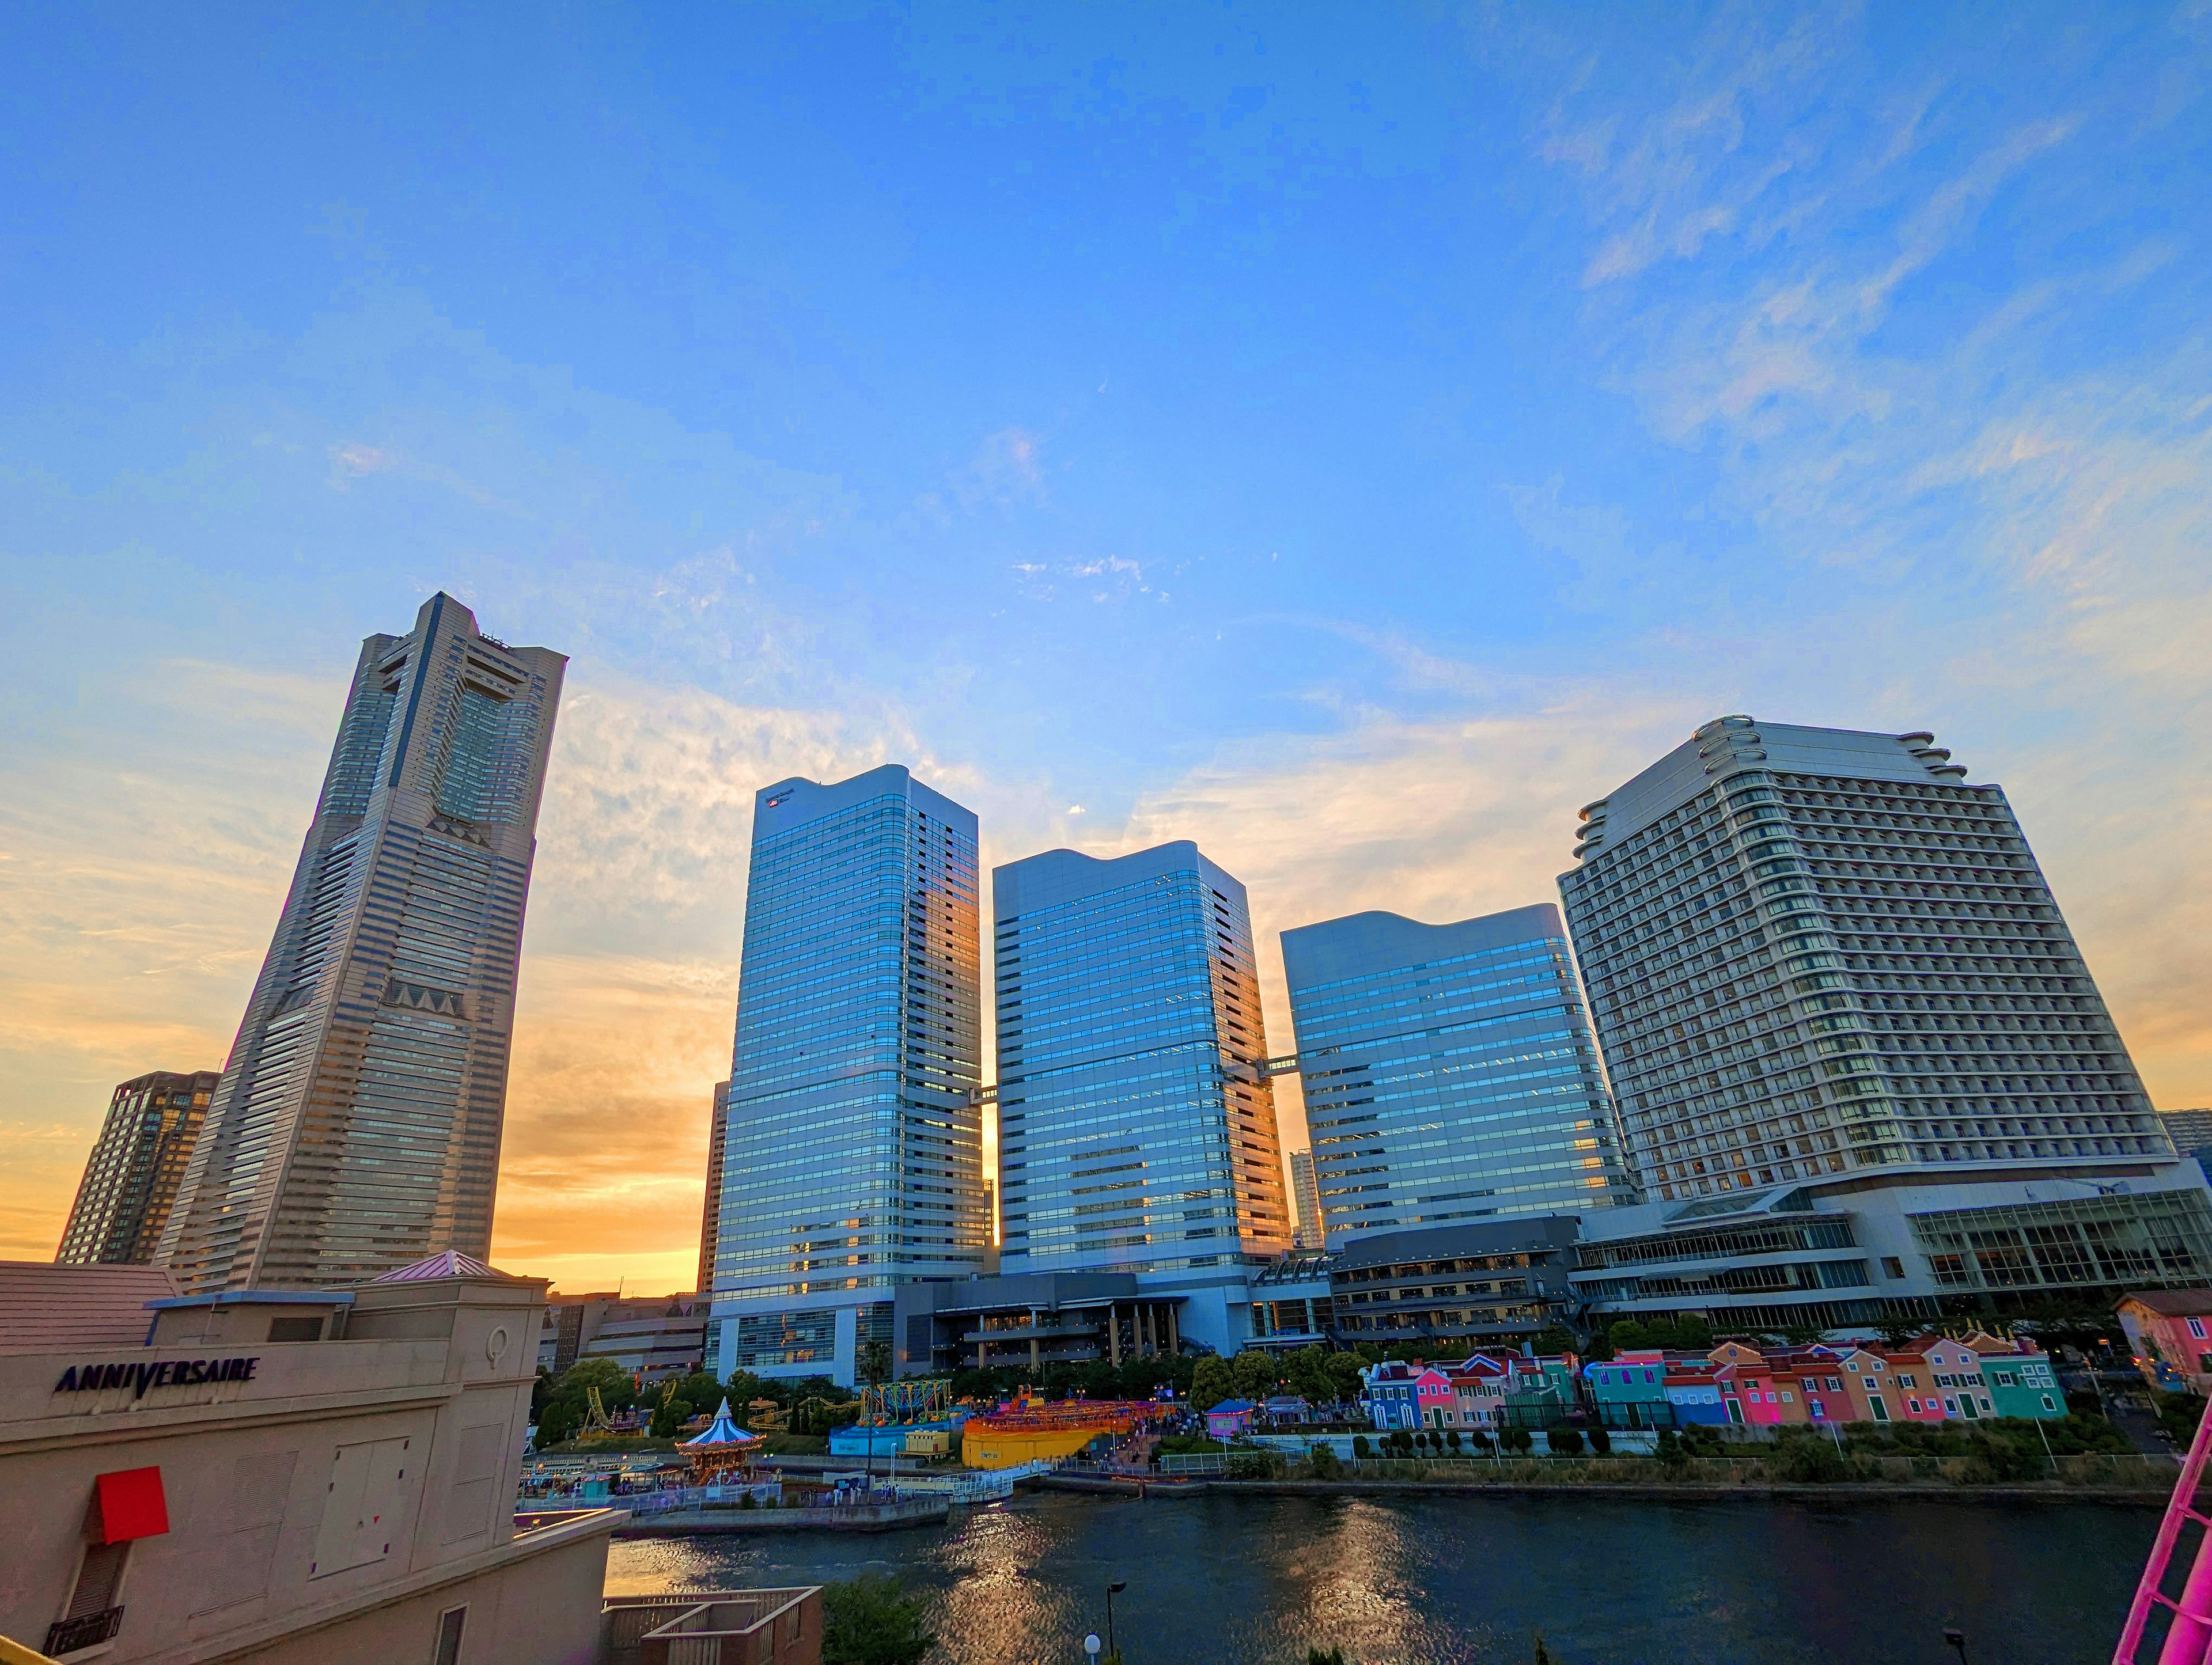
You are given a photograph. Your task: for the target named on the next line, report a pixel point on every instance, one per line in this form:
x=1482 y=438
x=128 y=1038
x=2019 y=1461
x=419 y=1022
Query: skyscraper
x=131 y=1178
x=710 y=1225
x=357 y=1127
x=1136 y=1123
x=1827 y=974
x=1311 y=1232
x=852 y=1152
x=1449 y=1071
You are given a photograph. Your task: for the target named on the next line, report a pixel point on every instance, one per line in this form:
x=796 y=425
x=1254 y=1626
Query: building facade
x=1136 y=1121
x=710 y=1224
x=357 y=1125
x=852 y=1153
x=1312 y=1231
x=130 y=1179
x=1862 y=1068
x=1484 y=1283
x=1028 y=1321
x=1449 y=1071
x=651 y=1337
x=287 y=1477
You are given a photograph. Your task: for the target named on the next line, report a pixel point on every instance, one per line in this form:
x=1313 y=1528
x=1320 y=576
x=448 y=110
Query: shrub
x=1808 y=1462
x=1479 y=1438
x=1518 y=1441
x=1452 y=1438
x=1325 y=1464
x=2001 y=1462
x=1670 y=1450
x=1599 y=1441
x=746 y=1502
x=871 y=1620
x=1316 y=1656
x=1564 y=1442
x=1360 y=1448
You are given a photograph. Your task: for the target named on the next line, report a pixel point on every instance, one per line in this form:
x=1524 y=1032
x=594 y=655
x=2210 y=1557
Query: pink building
x=1479 y=1384
x=1403 y=1395
x=2169 y=1335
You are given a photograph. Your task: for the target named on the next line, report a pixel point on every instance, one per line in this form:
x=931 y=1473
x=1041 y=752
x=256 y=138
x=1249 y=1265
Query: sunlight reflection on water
x=1256 y=1580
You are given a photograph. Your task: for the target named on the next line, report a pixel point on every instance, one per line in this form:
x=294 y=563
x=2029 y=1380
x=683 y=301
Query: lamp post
x=1956 y=1638
x=1113 y=1590
x=1090 y=1644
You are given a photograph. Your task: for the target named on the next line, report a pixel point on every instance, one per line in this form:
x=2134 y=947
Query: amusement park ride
x=2188 y=1632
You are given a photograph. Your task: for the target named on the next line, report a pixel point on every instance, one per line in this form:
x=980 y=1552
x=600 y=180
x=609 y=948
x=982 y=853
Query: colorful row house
x=1484 y=1390
x=1932 y=1379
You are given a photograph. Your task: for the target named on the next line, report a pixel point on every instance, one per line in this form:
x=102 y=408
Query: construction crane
x=2189 y=1633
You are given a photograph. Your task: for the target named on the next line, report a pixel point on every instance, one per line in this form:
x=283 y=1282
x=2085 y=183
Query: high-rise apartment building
x=1449 y=1071
x=852 y=1151
x=1830 y=980
x=2190 y=1130
x=1311 y=1232
x=709 y=1224
x=1136 y=1123
x=131 y=1178
x=357 y=1127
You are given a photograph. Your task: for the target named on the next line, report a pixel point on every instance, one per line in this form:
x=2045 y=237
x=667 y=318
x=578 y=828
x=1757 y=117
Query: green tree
x=871 y=1620
x=1255 y=1372
x=1554 y=1339
x=1316 y=1656
x=1564 y=1442
x=1326 y=1464
x=873 y=1362
x=618 y=1391
x=1212 y=1383
x=1343 y=1369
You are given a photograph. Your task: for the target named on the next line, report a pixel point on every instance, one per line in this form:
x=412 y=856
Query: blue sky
x=1354 y=442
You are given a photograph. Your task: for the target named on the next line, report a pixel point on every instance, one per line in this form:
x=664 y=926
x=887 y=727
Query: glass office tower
x=1449 y=1071
x=357 y=1127
x=1136 y=1123
x=130 y=1179
x=851 y=1140
x=1310 y=1233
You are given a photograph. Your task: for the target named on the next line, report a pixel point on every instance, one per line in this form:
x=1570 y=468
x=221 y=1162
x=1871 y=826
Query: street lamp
x=1090 y=1644
x=1113 y=1590
x=1956 y=1638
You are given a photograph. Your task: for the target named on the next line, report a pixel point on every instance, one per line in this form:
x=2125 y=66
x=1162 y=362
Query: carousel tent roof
x=721 y=1431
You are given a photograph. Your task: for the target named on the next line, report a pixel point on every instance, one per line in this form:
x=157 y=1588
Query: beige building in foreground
x=282 y=1476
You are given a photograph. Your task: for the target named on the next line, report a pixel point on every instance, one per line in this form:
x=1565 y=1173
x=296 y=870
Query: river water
x=1448 y=1581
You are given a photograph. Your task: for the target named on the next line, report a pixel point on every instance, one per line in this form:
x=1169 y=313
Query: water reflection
x=1256 y=1581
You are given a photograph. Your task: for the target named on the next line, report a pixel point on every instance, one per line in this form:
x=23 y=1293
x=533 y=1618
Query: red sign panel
x=129 y=1503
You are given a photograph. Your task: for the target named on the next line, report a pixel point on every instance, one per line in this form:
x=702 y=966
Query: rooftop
x=49 y=1308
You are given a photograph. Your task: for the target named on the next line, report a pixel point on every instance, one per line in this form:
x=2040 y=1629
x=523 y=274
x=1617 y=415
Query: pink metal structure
x=2190 y=1636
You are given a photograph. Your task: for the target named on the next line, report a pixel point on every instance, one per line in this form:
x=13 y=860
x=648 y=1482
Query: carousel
x=723 y=1452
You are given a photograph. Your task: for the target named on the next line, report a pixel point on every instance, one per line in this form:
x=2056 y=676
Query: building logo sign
x=141 y=1378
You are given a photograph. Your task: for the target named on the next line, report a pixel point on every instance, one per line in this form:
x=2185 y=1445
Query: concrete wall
x=540 y=1610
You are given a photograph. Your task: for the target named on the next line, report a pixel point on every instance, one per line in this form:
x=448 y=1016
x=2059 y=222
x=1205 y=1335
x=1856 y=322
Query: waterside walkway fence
x=2130 y=1471
x=977 y=1487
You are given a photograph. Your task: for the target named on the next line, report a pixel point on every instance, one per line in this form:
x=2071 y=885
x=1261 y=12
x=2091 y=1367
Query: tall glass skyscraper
x=1136 y=1123
x=130 y=1179
x=357 y=1127
x=1449 y=1071
x=852 y=1140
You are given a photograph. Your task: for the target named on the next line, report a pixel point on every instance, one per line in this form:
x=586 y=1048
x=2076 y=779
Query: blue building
x=1137 y=1126
x=1449 y=1071
x=852 y=1138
